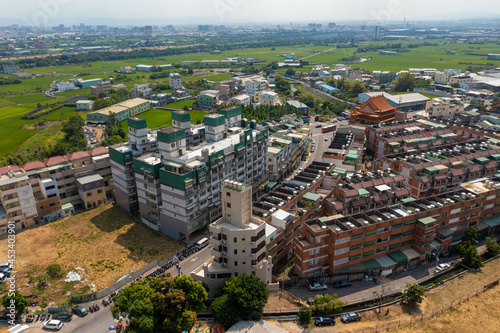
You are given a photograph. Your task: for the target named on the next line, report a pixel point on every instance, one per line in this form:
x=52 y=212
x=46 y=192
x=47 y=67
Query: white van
x=202 y=243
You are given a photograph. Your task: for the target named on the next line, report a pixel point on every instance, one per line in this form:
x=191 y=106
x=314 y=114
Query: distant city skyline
x=219 y=12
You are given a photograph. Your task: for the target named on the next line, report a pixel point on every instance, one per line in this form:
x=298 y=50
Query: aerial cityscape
x=246 y=167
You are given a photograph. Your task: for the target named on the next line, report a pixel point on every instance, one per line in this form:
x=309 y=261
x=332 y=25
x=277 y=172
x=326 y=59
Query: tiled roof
x=13 y=168
x=32 y=165
x=378 y=103
x=55 y=160
x=77 y=155
x=98 y=151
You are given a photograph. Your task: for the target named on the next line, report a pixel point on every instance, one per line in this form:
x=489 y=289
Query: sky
x=187 y=12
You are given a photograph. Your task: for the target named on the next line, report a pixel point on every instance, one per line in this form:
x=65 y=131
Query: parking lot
x=360 y=291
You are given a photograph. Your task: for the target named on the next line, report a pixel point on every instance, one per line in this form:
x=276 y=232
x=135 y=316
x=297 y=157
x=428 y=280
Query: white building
x=84 y=105
x=141 y=89
x=175 y=80
x=242 y=99
x=253 y=86
x=269 y=98
x=65 y=86
x=445 y=107
x=239 y=240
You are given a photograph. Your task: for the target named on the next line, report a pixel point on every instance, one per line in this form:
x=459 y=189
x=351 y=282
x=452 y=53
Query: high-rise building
x=181 y=189
x=175 y=81
x=239 y=240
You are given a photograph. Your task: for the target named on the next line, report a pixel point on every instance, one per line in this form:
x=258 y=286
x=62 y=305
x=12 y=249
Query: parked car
x=334 y=120
x=317 y=286
x=54 y=325
x=342 y=284
x=312 y=148
x=442 y=267
x=310 y=300
x=351 y=316
x=324 y=321
x=318 y=126
x=314 y=141
x=65 y=315
x=80 y=311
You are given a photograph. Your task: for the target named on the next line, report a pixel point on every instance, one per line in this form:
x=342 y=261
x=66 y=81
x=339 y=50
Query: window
x=235 y=239
x=235 y=263
x=228 y=194
x=99 y=191
x=89 y=194
x=228 y=205
x=235 y=251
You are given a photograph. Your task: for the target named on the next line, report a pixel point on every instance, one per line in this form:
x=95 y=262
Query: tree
x=404 y=82
x=240 y=297
x=325 y=305
x=492 y=247
x=20 y=303
x=413 y=294
x=305 y=314
x=290 y=72
x=455 y=85
x=54 y=271
x=282 y=85
x=471 y=258
x=470 y=235
x=162 y=304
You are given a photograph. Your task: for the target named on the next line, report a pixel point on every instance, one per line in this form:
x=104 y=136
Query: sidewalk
x=361 y=291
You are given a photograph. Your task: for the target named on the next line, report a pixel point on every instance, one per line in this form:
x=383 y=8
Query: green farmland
x=157 y=118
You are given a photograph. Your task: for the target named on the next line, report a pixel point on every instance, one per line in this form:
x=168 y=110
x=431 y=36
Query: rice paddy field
x=17 y=99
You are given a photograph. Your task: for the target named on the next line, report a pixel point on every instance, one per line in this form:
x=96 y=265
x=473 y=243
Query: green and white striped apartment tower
x=122 y=164
x=191 y=181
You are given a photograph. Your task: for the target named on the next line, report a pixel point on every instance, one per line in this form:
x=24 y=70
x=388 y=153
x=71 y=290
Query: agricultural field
x=158 y=118
x=114 y=237
x=430 y=57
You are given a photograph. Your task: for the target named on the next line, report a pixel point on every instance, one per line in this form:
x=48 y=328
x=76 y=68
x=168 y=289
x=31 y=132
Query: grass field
x=100 y=241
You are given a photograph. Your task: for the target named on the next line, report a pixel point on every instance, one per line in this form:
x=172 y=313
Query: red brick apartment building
x=429 y=184
x=396 y=237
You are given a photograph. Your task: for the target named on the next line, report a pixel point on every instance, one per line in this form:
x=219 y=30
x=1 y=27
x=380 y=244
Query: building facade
x=239 y=240
x=175 y=81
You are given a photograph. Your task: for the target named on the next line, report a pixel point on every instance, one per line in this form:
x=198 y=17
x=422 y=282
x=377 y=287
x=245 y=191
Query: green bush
x=305 y=314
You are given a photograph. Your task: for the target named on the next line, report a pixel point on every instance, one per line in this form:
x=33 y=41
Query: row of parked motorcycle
x=34 y=318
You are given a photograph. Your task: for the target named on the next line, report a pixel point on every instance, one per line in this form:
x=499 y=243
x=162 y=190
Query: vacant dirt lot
x=102 y=242
x=437 y=299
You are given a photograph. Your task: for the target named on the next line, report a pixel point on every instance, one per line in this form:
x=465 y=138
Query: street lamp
x=132 y=262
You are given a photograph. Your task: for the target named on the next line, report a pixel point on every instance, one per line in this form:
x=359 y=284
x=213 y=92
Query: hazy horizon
x=190 y=12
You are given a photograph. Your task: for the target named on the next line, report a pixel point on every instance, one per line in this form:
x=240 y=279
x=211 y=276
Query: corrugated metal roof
x=385 y=261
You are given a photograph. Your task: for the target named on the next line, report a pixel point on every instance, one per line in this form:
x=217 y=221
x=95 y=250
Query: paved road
x=360 y=291
x=100 y=321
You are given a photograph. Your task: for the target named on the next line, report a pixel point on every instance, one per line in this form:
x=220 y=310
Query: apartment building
x=141 y=90
x=255 y=85
x=440 y=168
x=289 y=196
x=239 y=240
x=175 y=81
x=385 y=240
x=223 y=88
x=393 y=137
x=208 y=99
x=242 y=99
x=445 y=108
x=464 y=80
x=269 y=98
x=285 y=153
x=360 y=192
x=100 y=88
x=41 y=192
x=188 y=171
